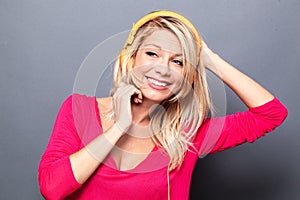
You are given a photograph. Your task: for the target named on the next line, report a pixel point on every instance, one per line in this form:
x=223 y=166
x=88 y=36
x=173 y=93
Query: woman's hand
x=208 y=57
x=122 y=98
x=249 y=91
x=85 y=161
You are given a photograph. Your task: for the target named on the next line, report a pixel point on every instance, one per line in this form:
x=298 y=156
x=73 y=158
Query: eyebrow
x=159 y=47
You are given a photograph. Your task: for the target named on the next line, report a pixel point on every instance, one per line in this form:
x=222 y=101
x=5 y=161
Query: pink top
x=57 y=181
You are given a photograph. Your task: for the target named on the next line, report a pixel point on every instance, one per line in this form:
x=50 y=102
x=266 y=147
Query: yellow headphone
x=151 y=16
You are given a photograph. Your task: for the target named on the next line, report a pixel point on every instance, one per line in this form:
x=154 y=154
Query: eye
x=178 y=62
x=151 y=53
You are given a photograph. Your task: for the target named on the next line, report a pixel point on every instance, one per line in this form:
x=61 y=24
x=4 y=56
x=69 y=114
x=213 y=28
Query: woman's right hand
x=122 y=99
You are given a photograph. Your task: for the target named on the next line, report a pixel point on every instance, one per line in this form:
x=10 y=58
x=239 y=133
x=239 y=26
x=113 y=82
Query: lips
x=157 y=82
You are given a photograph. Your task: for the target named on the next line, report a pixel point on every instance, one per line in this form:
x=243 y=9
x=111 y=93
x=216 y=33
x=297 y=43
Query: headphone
x=151 y=16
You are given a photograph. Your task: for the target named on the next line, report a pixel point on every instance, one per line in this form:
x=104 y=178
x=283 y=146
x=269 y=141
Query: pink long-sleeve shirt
x=78 y=122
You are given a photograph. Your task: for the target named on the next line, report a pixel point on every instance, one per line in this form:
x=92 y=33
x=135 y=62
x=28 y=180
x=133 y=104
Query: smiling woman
x=147 y=136
x=158 y=66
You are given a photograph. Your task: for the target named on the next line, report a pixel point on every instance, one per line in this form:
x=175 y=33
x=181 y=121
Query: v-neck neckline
x=160 y=158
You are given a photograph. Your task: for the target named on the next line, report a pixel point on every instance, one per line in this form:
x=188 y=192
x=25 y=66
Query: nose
x=163 y=67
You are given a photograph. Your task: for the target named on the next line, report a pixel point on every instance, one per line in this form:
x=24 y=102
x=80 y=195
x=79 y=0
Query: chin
x=155 y=96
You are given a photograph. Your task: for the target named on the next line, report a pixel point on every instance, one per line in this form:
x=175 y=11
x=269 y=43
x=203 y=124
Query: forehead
x=164 y=39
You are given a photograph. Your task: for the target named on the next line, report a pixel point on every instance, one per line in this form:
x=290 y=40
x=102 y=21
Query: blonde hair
x=178 y=118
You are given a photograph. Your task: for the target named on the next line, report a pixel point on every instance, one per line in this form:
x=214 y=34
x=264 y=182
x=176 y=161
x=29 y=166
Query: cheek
x=140 y=71
x=177 y=75
x=142 y=65
x=139 y=60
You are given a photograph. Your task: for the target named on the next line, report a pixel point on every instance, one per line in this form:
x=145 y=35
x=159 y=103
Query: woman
x=152 y=130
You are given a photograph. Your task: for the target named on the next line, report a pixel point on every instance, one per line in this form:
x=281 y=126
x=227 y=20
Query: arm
x=265 y=112
x=221 y=133
x=249 y=91
x=65 y=165
x=87 y=160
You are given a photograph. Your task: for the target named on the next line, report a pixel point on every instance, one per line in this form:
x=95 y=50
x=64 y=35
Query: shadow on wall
x=210 y=182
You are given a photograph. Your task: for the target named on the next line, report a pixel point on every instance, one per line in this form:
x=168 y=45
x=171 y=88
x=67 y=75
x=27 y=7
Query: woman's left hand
x=208 y=57
x=249 y=91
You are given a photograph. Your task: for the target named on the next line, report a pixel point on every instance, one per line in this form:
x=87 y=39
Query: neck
x=140 y=112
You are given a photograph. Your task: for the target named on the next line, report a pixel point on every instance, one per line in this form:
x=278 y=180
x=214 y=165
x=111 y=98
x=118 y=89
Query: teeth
x=155 y=82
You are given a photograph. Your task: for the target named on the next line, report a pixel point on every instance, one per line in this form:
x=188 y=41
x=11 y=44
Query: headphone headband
x=162 y=13
x=151 y=16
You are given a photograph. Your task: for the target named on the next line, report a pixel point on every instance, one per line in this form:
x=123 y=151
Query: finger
x=131 y=90
x=128 y=93
x=136 y=100
x=138 y=93
x=140 y=96
x=124 y=89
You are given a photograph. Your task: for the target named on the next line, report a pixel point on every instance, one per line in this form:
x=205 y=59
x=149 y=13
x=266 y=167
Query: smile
x=157 y=82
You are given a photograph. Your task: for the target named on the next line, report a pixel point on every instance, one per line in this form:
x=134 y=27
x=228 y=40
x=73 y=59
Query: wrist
x=211 y=61
x=113 y=134
x=120 y=128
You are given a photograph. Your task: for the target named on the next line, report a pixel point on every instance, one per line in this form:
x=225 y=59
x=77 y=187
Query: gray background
x=43 y=43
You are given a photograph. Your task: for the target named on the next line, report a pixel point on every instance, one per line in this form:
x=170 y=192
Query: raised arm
x=249 y=91
x=265 y=112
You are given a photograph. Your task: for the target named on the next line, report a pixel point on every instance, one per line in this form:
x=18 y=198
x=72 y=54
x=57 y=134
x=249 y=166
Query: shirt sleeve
x=55 y=176
x=218 y=134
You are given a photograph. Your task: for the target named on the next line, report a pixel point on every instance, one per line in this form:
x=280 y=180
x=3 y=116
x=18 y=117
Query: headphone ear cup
x=121 y=57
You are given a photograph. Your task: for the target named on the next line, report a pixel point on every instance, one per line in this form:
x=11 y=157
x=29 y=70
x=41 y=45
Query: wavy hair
x=178 y=118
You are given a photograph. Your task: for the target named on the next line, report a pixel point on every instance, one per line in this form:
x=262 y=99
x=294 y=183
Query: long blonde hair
x=178 y=118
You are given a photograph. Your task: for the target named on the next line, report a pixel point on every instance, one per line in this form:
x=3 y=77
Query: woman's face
x=159 y=65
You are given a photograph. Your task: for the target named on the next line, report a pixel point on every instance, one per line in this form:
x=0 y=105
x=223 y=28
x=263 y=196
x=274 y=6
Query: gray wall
x=43 y=43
